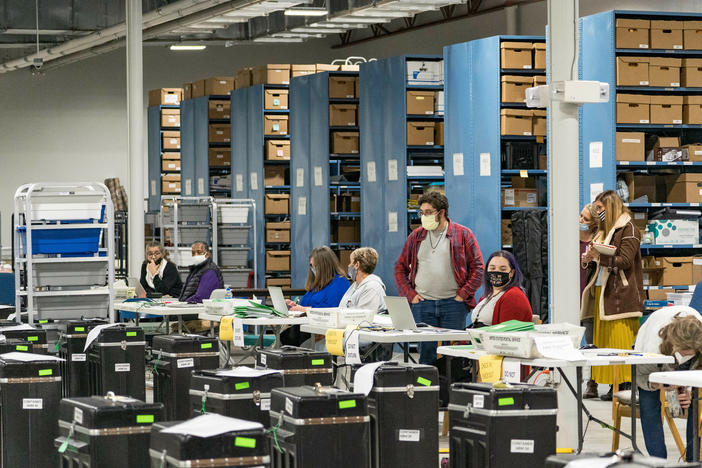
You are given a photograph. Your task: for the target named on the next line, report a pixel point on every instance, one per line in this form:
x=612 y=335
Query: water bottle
x=228 y=294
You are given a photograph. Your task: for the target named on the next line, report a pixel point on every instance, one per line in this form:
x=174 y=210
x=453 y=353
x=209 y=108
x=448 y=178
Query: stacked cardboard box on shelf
x=658 y=34
x=277 y=260
x=522 y=122
x=343 y=87
x=274 y=74
x=165 y=97
x=220 y=157
x=170 y=162
x=341 y=115
x=219 y=110
x=421 y=133
x=171 y=139
x=278 y=150
x=345 y=142
x=278 y=231
x=420 y=102
x=170 y=117
x=275 y=99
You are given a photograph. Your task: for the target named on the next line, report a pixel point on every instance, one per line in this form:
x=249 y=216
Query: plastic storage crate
x=62 y=241
x=71 y=307
x=520 y=155
x=233 y=235
x=233 y=214
x=190 y=234
x=70 y=274
x=236 y=278
x=233 y=257
x=188 y=214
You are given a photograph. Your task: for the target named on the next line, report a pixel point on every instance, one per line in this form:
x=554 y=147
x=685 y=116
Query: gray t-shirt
x=435 y=278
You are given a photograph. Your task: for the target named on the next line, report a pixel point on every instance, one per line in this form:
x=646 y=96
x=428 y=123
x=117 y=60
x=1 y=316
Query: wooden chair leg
x=615 y=434
x=674 y=430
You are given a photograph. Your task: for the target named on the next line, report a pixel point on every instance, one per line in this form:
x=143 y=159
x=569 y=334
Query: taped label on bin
x=186 y=362
x=352 y=348
x=32 y=403
x=78 y=357
x=521 y=446
x=334 y=339
x=409 y=435
x=123 y=367
x=232 y=329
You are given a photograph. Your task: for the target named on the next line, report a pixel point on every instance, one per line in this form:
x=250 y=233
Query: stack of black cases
x=105 y=432
x=74 y=369
x=242 y=396
x=300 y=366
x=628 y=460
x=175 y=358
x=320 y=427
x=116 y=362
x=239 y=448
x=35 y=336
x=30 y=392
x=402 y=403
x=11 y=345
x=492 y=427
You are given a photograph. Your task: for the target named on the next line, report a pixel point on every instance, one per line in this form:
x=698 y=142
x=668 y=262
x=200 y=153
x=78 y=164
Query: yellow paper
x=335 y=341
x=226 y=330
x=523 y=174
x=490 y=368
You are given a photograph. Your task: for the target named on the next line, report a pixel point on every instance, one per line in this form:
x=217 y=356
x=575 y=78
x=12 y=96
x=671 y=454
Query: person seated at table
x=204 y=277
x=503 y=298
x=159 y=276
x=367 y=290
x=326 y=282
x=673 y=331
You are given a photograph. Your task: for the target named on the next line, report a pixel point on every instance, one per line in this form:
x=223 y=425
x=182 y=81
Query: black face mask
x=498 y=278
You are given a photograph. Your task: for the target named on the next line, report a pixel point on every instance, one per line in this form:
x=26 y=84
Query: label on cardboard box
x=531 y=198
x=509 y=197
x=631 y=140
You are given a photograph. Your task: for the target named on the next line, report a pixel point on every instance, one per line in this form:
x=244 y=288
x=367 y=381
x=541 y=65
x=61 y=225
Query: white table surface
x=591 y=358
x=687 y=378
x=278 y=321
x=397 y=336
x=157 y=309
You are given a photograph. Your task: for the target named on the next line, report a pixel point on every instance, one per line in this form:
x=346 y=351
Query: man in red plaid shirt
x=439 y=270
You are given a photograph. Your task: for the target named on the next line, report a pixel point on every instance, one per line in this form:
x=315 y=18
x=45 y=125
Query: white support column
x=135 y=124
x=563 y=196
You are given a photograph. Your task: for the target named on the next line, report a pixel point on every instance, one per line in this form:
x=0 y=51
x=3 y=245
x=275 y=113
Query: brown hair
x=367 y=258
x=437 y=200
x=327 y=266
x=151 y=245
x=614 y=208
x=682 y=333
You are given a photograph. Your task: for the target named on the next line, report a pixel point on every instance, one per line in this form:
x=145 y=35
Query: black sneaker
x=607 y=396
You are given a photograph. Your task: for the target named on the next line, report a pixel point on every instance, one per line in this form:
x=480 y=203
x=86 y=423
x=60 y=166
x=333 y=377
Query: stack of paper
x=509 y=326
x=256 y=310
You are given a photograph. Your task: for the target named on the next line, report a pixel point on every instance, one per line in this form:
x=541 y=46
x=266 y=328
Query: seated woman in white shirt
x=367 y=290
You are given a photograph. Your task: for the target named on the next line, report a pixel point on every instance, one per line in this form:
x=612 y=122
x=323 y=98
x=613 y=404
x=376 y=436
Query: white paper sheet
x=300 y=177
x=371 y=171
x=595 y=154
x=593 y=462
x=237 y=332
x=352 y=351
x=95 y=332
x=363 y=381
x=392 y=169
x=24 y=326
x=240 y=182
x=392 y=221
x=595 y=189
x=302 y=206
x=246 y=372
x=557 y=347
x=254 y=181
x=29 y=357
x=484 y=164
x=318 y=176
x=511 y=370
x=458 y=164
x=210 y=425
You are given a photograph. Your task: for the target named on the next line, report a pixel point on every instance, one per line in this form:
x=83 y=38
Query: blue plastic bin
x=62 y=241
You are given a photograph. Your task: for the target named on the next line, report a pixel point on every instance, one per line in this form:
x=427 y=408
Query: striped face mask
x=601 y=215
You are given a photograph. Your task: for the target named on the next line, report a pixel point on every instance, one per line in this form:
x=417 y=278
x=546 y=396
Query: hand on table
x=290 y=303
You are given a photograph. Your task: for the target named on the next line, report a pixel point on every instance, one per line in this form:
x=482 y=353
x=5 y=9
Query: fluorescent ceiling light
x=278 y=39
x=306 y=11
x=187 y=46
x=374 y=13
x=319 y=30
x=359 y=21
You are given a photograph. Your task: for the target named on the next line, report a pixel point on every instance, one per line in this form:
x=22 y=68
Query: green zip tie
x=158 y=356
x=58 y=344
x=274 y=432
x=62 y=448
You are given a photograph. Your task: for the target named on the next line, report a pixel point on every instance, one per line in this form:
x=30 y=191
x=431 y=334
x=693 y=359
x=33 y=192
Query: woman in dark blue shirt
x=326 y=281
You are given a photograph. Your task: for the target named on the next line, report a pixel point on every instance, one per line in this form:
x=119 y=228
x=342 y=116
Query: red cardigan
x=512 y=305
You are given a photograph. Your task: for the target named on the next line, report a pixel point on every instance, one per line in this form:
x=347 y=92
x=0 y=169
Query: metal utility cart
x=184 y=220
x=64 y=250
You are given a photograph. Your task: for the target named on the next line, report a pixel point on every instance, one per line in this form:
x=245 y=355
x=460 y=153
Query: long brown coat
x=622 y=276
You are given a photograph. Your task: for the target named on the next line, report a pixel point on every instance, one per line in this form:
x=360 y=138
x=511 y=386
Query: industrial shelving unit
x=318 y=174
x=64 y=251
x=598 y=122
x=184 y=220
x=385 y=156
x=155 y=153
x=249 y=163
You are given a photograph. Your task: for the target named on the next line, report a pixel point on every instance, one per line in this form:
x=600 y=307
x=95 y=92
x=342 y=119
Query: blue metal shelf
x=276 y=111
x=659 y=205
x=657 y=126
x=225 y=144
x=343 y=100
x=520 y=71
x=440 y=178
x=341 y=128
x=659 y=52
x=523 y=208
x=425 y=148
x=345 y=214
x=645 y=164
x=344 y=245
x=194 y=146
x=657 y=89
x=679 y=288
x=344 y=156
x=419 y=87
x=521 y=137
x=414 y=117
x=277 y=187
x=528 y=171
x=276 y=162
x=276 y=137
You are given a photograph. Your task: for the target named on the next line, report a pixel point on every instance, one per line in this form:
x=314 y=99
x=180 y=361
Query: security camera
x=37 y=62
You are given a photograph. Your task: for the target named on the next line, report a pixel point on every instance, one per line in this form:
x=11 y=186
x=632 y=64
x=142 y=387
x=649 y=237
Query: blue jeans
x=444 y=313
x=652 y=425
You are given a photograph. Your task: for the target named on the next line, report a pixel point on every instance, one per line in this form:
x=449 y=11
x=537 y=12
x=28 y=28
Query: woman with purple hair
x=503 y=297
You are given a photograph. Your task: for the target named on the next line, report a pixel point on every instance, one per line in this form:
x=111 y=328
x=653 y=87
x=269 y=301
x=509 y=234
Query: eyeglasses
x=153 y=254
x=427 y=213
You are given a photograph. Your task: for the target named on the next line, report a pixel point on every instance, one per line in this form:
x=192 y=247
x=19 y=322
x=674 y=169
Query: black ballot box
x=300 y=366
x=116 y=362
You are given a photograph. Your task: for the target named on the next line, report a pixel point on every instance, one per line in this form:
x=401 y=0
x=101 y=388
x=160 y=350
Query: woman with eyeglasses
x=159 y=276
x=326 y=281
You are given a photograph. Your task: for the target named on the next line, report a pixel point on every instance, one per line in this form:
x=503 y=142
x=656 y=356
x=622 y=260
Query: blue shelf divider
x=194 y=147
x=153 y=116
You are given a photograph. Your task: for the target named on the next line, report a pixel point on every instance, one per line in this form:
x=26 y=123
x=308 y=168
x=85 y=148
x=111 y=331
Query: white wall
x=71 y=123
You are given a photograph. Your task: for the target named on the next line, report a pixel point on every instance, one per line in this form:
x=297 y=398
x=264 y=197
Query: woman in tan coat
x=614 y=295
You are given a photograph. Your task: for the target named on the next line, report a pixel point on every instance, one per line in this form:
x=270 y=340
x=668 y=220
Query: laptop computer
x=400 y=313
x=276 y=293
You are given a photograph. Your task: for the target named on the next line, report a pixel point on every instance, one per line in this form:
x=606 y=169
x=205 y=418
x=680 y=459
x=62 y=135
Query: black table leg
x=633 y=406
x=405 y=349
x=579 y=398
x=695 y=427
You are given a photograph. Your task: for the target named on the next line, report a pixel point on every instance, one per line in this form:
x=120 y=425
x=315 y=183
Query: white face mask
x=429 y=222
x=682 y=359
x=198 y=259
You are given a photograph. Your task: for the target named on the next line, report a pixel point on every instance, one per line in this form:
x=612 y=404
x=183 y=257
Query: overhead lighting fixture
x=188 y=46
x=278 y=39
x=306 y=11
x=313 y=30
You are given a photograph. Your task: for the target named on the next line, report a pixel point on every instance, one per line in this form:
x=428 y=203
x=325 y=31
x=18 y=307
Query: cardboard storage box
x=271 y=74
x=692 y=110
x=439 y=105
x=170 y=165
x=520 y=197
x=694 y=152
x=302 y=70
x=277 y=203
x=677 y=271
x=171 y=139
x=633 y=108
x=187 y=91
x=640 y=220
x=343 y=115
x=632 y=71
x=277 y=260
x=282 y=282
x=539 y=80
x=346 y=231
x=506 y=232
x=342 y=87
x=275 y=99
x=696 y=269
x=686 y=188
x=278 y=232
x=666 y=109
x=515 y=122
x=219 y=157
x=539 y=55
x=670 y=154
x=539 y=122
x=170 y=117
x=666 y=34
x=543 y=162
x=691 y=73
x=165 y=96
x=323 y=67
x=198 y=88
x=439 y=134
x=420 y=133
x=278 y=150
x=631 y=146
x=664 y=71
x=344 y=257
x=674 y=231
x=275 y=125
x=170 y=183
x=429 y=72
x=219 y=85
x=345 y=142
x=420 y=102
x=514 y=87
x=219 y=110
x=632 y=33
x=273 y=175
x=692 y=35
x=516 y=55
x=219 y=133
x=243 y=78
